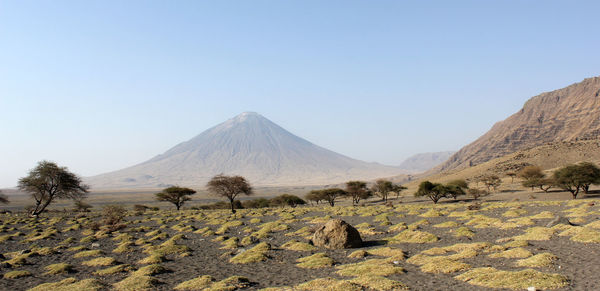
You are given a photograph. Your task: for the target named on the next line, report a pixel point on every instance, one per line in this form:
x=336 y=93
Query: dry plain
x=416 y=245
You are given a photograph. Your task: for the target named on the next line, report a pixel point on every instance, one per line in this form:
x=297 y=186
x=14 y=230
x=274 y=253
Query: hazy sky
x=101 y=85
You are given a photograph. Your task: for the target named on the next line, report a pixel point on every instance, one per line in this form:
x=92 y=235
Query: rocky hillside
x=249 y=145
x=549 y=157
x=568 y=114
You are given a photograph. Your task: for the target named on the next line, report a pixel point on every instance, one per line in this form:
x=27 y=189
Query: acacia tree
x=383 y=188
x=574 y=178
x=433 y=191
x=590 y=174
x=47 y=182
x=229 y=187
x=491 y=182
x=532 y=176
x=512 y=176
x=329 y=194
x=397 y=189
x=457 y=187
x=357 y=190
x=176 y=195
x=286 y=199
x=315 y=196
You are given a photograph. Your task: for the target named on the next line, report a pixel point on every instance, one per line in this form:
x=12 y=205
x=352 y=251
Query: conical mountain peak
x=249 y=145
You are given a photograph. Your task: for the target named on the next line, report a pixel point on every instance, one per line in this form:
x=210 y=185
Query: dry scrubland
x=418 y=246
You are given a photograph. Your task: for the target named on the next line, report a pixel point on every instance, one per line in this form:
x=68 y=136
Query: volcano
x=249 y=145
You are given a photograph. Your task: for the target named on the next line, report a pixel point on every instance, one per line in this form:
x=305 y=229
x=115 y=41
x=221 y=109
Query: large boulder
x=337 y=234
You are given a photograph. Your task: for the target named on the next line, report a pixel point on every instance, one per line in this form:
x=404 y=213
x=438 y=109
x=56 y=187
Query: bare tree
x=47 y=182
x=176 y=195
x=229 y=187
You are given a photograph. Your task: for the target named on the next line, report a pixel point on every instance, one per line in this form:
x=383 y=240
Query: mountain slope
x=425 y=161
x=248 y=145
x=566 y=114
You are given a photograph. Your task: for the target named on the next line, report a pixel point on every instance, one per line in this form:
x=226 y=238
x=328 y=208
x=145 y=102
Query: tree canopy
x=47 y=182
x=229 y=187
x=357 y=190
x=175 y=195
x=574 y=178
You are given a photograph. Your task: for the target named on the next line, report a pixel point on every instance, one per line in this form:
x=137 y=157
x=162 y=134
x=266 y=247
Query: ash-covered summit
x=249 y=145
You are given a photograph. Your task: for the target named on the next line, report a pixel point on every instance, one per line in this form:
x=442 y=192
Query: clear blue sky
x=101 y=85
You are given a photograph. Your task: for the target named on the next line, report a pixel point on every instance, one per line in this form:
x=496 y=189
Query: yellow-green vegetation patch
x=536 y=233
x=516 y=253
x=255 y=220
x=85 y=254
x=444 y=265
x=418 y=224
x=168 y=247
x=231 y=283
x=295 y=245
x=514 y=213
x=413 y=236
x=270 y=227
x=394 y=253
x=149 y=270
x=253 y=255
x=516 y=244
x=378 y=283
x=318 y=260
x=539 y=260
x=398 y=227
x=113 y=270
x=372 y=267
x=304 y=231
x=70 y=284
x=328 y=284
x=358 y=254
x=586 y=235
x=16 y=274
x=123 y=247
x=152 y=259
x=447 y=224
x=230 y=243
x=516 y=280
x=102 y=261
x=543 y=215
x=136 y=283
x=463 y=232
x=196 y=284
x=226 y=226
x=432 y=213
x=60 y=268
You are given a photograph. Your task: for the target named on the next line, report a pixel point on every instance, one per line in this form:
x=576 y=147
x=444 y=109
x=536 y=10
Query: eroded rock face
x=565 y=115
x=337 y=234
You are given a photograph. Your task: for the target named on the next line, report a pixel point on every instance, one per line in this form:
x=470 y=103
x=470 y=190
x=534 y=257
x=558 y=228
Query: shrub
x=256 y=203
x=112 y=216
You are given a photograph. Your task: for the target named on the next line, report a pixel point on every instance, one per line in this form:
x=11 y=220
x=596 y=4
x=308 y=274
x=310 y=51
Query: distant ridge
x=568 y=114
x=248 y=145
x=425 y=161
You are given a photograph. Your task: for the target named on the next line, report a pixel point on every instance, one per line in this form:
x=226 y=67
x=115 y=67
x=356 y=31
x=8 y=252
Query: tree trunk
x=232 y=208
x=39 y=211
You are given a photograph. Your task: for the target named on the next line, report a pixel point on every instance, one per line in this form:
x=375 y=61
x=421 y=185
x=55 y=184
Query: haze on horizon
x=98 y=86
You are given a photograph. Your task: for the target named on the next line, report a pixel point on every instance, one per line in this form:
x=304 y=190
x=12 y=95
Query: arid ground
x=502 y=243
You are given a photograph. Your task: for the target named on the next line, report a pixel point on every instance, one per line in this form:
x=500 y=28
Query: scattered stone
x=95 y=245
x=337 y=234
x=559 y=220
